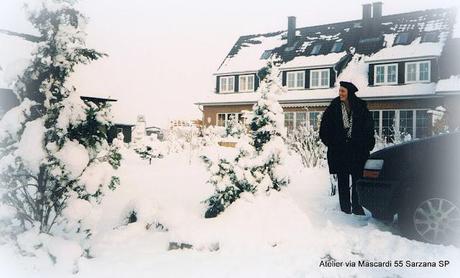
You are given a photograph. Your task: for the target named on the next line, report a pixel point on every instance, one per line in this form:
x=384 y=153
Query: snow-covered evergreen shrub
x=305 y=141
x=230 y=178
x=53 y=145
x=268 y=134
x=258 y=166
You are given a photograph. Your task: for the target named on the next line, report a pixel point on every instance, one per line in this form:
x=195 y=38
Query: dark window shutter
x=307 y=79
x=217 y=84
x=283 y=81
x=256 y=82
x=331 y=78
x=434 y=70
x=237 y=83
x=401 y=72
x=371 y=75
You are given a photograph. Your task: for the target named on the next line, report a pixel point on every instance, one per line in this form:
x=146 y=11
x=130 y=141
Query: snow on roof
x=451 y=84
x=413 y=50
x=374 y=38
x=249 y=54
x=313 y=61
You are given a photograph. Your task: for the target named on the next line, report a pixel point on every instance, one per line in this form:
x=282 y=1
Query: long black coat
x=342 y=156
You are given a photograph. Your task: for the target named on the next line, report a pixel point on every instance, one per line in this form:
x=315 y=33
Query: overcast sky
x=162 y=54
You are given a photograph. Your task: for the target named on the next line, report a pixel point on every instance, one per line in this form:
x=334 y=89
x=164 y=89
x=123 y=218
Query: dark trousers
x=343 y=180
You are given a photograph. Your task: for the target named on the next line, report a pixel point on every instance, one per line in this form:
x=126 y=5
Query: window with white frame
x=388 y=124
x=415 y=122
x=289 y=120
x=227 y=84
x=294 y=120
x=319 y=78
x=295 y=79
x=314 y=119
x=224 y=118
x=376 y=118
x=422 y=122
x=406 y=122
x=418 y=71
x=386 y=74
x=246 y=83
x=300 y=119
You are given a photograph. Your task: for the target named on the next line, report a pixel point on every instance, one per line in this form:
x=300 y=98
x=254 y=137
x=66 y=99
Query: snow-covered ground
x=285 y=234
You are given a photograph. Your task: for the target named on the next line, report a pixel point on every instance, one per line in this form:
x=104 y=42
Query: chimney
x=367 y=10
x=291 y=30
x=377 y=9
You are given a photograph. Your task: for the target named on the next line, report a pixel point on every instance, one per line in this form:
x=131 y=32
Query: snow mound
x=74 y=156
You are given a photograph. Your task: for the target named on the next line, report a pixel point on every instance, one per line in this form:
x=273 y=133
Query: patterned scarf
x=347 y=119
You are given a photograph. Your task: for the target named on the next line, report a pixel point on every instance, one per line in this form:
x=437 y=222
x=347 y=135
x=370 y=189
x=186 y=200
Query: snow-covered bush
x=305 y=141
x=181 y=138
x=230 y=178
x=211 y=135
x=440 y=123
x=383 y=141
x=258 y=167
x=55 y=159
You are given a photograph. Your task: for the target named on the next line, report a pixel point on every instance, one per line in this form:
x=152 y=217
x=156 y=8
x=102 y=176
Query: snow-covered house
x=402 y=64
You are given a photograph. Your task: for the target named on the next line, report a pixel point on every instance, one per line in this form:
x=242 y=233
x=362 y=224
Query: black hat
x=349 y=86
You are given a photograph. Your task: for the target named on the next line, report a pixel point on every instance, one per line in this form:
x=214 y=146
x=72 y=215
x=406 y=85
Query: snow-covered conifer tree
x=258 y=166
x=268 y=132
x=53 y=145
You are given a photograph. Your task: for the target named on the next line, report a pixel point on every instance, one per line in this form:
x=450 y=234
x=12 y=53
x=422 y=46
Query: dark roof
x=8 y=100
x=449 y=61
x=123 y=125
x=97 y=99
x=365 y=36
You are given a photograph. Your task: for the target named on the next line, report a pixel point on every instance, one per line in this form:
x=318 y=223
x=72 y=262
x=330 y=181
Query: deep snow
x=285 y=234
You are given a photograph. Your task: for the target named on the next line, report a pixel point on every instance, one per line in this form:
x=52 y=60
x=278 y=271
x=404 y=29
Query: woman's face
x=343 y=93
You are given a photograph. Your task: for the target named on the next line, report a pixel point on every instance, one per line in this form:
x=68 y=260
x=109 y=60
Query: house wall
x=452 y=104
x=210 y=112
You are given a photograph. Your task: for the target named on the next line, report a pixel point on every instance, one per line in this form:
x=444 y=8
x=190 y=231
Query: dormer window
x=402 y=38
x=337 y=47
x=319 y=78
x=315 y=49
x=246 y=83
x=227 y=84
x=418 y=72
x=386 y=74
x=296 y=79
x=430 y=37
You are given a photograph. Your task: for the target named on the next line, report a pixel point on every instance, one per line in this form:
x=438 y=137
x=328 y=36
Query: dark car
x=419 y=181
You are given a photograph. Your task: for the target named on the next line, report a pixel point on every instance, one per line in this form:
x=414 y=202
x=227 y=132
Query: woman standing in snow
x=347 y=129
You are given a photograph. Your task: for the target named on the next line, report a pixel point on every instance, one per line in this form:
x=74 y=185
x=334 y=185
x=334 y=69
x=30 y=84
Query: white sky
x=162 y=54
